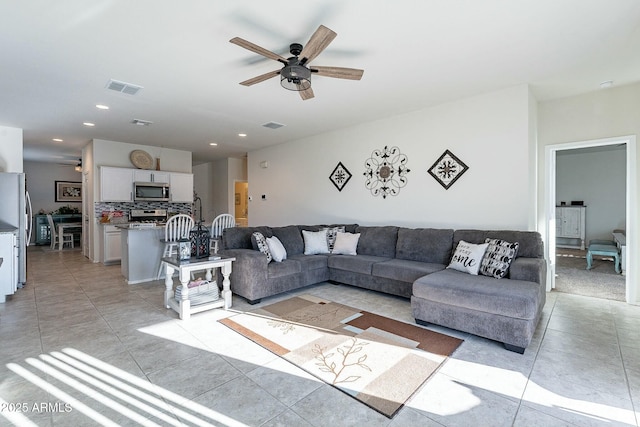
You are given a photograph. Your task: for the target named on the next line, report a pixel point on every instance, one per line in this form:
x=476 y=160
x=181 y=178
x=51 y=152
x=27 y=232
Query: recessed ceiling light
x=242 y=135
x=213 y=144
x=58 y=139
x=606 y=84
x=102 y=107
x=89 y=124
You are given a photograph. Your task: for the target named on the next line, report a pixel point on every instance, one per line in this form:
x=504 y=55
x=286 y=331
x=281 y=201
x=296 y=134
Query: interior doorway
x=630 y=197
x=241 y=203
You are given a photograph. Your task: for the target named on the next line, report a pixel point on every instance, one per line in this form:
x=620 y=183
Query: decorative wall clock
x=340 y=176
x=447 y=169
x=386 y=172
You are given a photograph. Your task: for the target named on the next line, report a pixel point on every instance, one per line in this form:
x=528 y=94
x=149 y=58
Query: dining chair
x=67 y=238
x=176 y=229
x=218 y=225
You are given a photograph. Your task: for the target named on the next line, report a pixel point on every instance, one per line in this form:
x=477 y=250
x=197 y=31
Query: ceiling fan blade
x=338 y=72
x=257 y=49
x=306 y=94
x=316 y=44
x=260 y=78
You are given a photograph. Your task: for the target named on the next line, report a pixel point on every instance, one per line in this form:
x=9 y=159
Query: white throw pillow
x=315 y=242
x=278 y=252
x=468 y=257
x=346 y=243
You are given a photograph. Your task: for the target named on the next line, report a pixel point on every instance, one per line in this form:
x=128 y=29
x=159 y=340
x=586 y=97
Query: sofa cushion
x=511 y=298
x=311 y=262
x=290 y=237
x=498 y=257
x=530 y=242
x=240 y=237
x=378 y=241
x=284 y=268
x=355 y=263
x=425 y=244
x=404 y=270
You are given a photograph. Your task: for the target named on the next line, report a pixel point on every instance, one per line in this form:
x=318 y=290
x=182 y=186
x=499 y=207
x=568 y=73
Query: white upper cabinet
x=116 y=184
x=142 y=175
x=181 y=187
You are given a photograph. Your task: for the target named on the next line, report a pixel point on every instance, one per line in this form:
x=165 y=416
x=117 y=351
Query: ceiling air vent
x=128 y=88
x=141 y=122
x=273 y=125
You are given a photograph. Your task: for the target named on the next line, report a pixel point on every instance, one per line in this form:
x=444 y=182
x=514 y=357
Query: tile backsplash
x=125 y=207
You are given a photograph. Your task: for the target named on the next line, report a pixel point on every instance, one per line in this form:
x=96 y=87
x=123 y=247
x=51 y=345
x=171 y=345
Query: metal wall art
x=386 y=171
x=340 y=176
x=447 y=169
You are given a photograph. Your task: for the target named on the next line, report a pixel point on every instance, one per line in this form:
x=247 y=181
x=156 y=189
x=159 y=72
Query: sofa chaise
x=408 y=262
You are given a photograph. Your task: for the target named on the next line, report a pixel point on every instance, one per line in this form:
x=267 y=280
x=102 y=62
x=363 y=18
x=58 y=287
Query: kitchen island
x=141 y=253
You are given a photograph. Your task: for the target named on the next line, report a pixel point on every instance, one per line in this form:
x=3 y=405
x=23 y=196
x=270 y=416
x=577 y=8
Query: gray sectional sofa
x=411 y=263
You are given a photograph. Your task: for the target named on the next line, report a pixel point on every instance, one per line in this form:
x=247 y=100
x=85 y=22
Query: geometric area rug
x=379 y=361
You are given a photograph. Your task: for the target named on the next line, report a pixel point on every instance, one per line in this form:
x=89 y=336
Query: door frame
x=631 y=284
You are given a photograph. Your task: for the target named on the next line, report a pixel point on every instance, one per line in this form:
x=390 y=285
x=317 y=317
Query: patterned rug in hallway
x=376 y=360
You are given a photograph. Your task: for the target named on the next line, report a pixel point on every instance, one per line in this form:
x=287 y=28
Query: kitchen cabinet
x=116 y=184
x=181 y=187
x=112 y=244
x=41 y=226
x=571 y=224
x=9 y=267
x=141 y=175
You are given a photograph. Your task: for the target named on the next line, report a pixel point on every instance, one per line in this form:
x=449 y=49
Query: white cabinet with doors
x=116 y=184
x=9 y=267
x=142 y=175
x=571 y=225
x=181 y=187
x=112 y=250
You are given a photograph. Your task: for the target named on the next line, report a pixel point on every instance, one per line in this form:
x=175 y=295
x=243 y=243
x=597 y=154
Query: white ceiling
x=58 y=56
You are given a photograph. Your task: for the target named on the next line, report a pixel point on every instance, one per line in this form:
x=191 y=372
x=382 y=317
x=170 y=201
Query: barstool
x=176 y=229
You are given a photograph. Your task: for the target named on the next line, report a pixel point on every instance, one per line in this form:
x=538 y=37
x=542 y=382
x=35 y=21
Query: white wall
x=596 y=177
x=113 y=153
x=41 y=179
x=490 y=133
x=204 y=186
x=597 y=115
x=10 y=149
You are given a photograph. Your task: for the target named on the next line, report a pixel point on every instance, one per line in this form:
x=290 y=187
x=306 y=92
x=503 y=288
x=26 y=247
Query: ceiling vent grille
x=128 y=88
x=273 y=125
x=141 y=122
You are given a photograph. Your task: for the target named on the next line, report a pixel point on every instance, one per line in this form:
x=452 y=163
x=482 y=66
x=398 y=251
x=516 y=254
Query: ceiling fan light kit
x=296 y=75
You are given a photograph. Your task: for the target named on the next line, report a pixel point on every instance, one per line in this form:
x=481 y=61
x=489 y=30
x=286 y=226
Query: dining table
x=62 y=226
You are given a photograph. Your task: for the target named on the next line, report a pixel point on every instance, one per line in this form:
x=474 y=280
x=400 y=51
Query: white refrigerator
x=16 y=219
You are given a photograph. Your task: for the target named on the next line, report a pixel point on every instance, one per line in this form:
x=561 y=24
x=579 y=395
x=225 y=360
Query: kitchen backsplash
x=125 y=207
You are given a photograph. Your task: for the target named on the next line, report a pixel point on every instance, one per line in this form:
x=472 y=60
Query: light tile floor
x=78 y=334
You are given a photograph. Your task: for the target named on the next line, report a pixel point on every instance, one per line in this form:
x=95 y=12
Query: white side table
x=184 y=307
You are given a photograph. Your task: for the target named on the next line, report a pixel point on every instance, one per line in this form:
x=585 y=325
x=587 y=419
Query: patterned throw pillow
x=468 y=257
x=262 y=245
x=498 y=258
x=331 y=236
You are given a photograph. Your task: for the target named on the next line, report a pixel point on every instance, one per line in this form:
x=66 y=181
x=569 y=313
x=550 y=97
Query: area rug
x=379 y=361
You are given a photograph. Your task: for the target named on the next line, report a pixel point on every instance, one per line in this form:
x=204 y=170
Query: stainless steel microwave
x=151 y=191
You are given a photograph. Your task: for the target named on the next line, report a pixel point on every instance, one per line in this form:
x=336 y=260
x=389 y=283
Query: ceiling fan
x=296 y=73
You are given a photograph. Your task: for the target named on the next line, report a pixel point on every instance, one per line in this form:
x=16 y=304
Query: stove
x=143 y=218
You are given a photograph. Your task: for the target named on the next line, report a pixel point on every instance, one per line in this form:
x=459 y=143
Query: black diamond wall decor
x=448 y=169
x=340 y=176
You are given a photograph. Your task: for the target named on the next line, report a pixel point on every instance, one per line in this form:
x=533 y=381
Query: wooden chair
x=176 y=229
x=219 y=223
x=67 y=238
